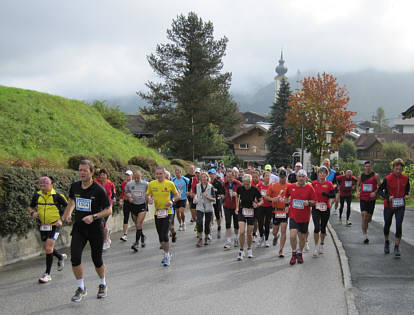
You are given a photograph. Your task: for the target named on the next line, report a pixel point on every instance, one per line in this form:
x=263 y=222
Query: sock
x=299 y=251
x=102 y=281
x=80 y=284
x=49 y=260
x=293 y=252
x=57 y=254
x=138 y=235
x=321 y=243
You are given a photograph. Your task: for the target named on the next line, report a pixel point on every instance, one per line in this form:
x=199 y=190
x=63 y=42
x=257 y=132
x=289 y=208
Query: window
x=243 y=146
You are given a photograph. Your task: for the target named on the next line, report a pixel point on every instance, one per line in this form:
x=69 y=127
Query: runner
x=124 y=203
x=395 y=189
x=324 y=190
x=159 y=193
x=255 y=182
x=135 y=192
x=204 y=199
x=292 y=176
x=265 y=211
x=49 y=205
x=219 y=193
x=190 y=175
x=367 y=185
x=230 y=186
x=181 y=183
x=103 y=180
x=273 y=178
x=276 y=194
x=301 y=196
x=173 y=234
x=335 y=182
x=248 y=198
x=91 y=205
x=195 y=180
x=346 y=184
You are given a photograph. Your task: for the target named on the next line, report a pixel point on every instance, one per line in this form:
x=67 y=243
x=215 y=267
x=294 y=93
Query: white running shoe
x=45 y=278
x=260 y=241
x=240 y=256
x=124 y=238
x=184 y=228
x=236 y=242
x=209 y=237
x=61 y=262
x=180 y=228
x=307 y=249
x=315 y=252
x=249 y=253
x=106 y=245
x=267 y=244
x=320 y=249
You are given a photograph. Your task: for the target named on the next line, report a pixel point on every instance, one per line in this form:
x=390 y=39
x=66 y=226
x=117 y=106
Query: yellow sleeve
x=149 y=191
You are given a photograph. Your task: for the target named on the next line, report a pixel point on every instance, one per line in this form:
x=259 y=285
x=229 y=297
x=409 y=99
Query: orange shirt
x=275 y=190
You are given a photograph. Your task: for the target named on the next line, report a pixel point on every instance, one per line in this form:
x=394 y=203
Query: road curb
x=346 y=273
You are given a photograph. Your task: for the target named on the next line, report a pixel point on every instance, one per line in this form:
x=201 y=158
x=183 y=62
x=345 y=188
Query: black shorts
x=242 y=218
x=180 y=204
x=278 y=221
x=302 y=227
x=367 y=206
x=137 y=209
x=192 y=205
x=53 y=235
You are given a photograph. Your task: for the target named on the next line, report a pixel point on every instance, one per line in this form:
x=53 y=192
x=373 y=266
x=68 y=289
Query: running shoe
x=387 y=247
x=254 y=238
x=180 y=228
x=236 y=242
x=260 y=241
x=240 y=256
x=61 y=262
x=206 y=241
x=184 y=228
x=143 y=238
x=300 y=258
x=397 y=252
x=275 y=238
x=79 y=294
x=249 y=253
x=281 y=253
x=106 y=245
x=195 y=228
x=366 y=241
x=307 y=249
x=293 y=259
x=315 y=252
x=174 y=237
x=267 y=244
x=102 y=291
x=348 y=223
x=320 y=249
x=227 y=245
x=218 y=234
x=167 y=260
x=134 y=247
x=45 y=278
x=200 y=240
x=340 y=220
x=124 y=238
x=209 y=237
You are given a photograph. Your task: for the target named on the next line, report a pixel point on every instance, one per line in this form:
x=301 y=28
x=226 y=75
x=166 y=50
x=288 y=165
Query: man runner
x=346 y=184
x=181 y=183
x=124 y=203
x=219 y=192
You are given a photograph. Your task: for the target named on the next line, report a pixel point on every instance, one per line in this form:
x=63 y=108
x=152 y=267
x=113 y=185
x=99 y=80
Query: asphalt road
x=205 y=280
x=384 y=284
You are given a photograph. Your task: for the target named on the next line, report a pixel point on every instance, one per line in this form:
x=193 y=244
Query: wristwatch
x=95 y=217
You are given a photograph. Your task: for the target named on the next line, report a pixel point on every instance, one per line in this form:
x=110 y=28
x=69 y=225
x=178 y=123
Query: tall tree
x=278 y=142
x=191 y=107
x=380 y=121
x=322 y=105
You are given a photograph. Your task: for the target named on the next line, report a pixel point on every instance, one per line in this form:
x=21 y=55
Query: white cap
x=197 y=170
x=128 y=172
x=235 y=169
x=302 y=172
x=298 y=164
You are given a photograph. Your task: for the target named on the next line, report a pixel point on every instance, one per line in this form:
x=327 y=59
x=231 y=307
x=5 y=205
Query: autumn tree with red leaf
x=322 y=105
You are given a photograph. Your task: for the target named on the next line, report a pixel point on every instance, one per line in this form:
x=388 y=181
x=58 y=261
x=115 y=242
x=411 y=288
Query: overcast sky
x=91 y=49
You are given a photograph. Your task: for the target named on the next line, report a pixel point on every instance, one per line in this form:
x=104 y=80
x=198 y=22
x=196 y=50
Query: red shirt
x=109 y=188
x=123 y=190
x=297 y=210
x=346 y=184
x=368 y=186
x=230 y=203
x=263 y=190
x=319 y=188
x=194 y=183
x=396 y=187
x=256 y=184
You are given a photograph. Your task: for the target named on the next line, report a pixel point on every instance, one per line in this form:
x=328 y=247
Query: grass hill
x=38 y=125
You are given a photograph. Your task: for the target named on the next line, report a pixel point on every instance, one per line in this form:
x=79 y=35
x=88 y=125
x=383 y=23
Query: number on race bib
x=298 y=204
x=162 y=213
x=248 y=213
x=348 y=183
x=397 y=202
x=321 y=206
x=137 y=193
x=45 y=227
x=280 y=215
x=367 y=187
x=263 y=192
x=83 y=204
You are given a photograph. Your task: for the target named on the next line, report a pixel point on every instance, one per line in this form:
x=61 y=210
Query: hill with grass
x=37 y=125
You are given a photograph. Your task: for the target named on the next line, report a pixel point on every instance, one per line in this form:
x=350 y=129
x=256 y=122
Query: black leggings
x=265 y=215
x=217 y=209
x=126 y=209
x=320 y=220
x=200 y=217
x=228 y=214
x=163 y=227
x=342 y=200
x=399 y=217
x=81 y=234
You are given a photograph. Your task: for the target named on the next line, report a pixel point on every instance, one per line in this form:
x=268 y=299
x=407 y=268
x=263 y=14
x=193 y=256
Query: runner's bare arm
x=67 y=215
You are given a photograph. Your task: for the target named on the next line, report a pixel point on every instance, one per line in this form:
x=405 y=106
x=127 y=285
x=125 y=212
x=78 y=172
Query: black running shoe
x=397 y=252
x=174 y=237
x=366 y=241
x=134 y=247
x=79 y=294
x=102 y=291
x=143 y=238
x=387 y=247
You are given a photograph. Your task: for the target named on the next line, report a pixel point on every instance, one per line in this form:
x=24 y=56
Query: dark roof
x=247 y=130
x=254 y=113
x=409 y=113
x=136 y=125
x=365 y=141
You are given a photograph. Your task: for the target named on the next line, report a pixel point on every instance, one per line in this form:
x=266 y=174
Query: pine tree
x=191 y=108
x=280 y=149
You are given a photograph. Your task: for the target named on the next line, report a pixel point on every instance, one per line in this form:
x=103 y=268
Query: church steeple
x=281 y=70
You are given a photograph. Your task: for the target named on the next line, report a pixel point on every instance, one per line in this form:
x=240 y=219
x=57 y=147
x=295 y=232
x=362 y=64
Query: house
x=409 y=113
x=136 y=125
x=253 y=118
x=369 y=145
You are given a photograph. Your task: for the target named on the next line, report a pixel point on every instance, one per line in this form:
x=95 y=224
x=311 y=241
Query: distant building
x=253 y=118
x=281 y=70
x=136 y=125
x=404 y=125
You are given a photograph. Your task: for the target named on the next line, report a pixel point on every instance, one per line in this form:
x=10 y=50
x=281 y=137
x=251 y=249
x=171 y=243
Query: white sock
x=80 y=284
x=102 y=281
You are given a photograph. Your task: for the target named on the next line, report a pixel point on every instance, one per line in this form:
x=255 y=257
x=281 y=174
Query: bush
x=20 y=163
x=73 y=162
x=112 y=165
x=182 y=163
x=146 y=163
x=43 y=163
x=350 y=164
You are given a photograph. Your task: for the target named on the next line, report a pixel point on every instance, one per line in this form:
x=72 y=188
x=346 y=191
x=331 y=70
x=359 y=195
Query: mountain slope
x=34 y=124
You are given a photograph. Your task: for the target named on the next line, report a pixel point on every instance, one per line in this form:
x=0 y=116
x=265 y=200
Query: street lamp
x=328 y=140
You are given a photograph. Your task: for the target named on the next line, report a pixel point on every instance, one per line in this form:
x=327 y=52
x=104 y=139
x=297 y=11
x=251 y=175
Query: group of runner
x=252 y=202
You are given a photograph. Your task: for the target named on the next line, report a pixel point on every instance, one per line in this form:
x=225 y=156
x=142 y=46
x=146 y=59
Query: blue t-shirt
x=181 y=185
x=331 y=176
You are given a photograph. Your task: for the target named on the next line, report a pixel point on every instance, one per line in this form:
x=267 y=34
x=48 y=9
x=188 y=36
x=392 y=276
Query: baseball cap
x=298 y=164
x=212 y=171
x=282 y=173
x=197 y=170
x=268 y=167
x=45 y=180
x=302 y=172
x=128 y=172
x=336 y=166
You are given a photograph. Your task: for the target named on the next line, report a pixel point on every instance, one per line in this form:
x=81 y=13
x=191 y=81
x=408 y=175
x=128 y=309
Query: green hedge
x=147 y=164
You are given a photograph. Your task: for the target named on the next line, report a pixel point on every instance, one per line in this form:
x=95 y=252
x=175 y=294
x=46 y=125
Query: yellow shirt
x=161 y=193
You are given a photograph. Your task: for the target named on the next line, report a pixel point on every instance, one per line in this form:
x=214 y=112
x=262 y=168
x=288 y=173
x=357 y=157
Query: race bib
x=348 y=183
x=56 y=235
x=231 y=193
x=280 y=215
x=248 y=213
x=367 y=187
x=397 y=202
x=263 y=192
x=45 y=227
x=162 y=213
x=298 y=204
x=321 y=206
x=138 y=193
x=83 y=204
